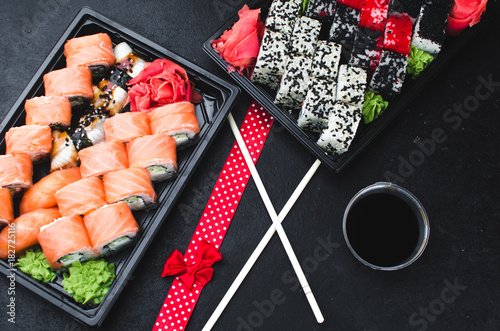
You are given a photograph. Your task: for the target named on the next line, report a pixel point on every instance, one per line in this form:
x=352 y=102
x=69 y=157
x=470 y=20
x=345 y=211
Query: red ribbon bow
x=201 y=270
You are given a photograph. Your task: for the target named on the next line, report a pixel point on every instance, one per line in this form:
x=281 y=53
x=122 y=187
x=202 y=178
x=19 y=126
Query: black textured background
x=458 y=184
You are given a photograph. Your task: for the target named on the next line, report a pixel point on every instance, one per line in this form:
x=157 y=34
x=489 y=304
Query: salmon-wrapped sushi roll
x=33 y=140
x=94 y=52
x=111 y=227
x=156 y=153
x=65 y=241
x=102 y=158
x=126 y=126
x=74 y=83
x=54 y=111
x=43 y=193
x=81 y=197
x=132 y=185
x=25 y=228
x=6 y=207
x=177 y=120
x=16 y=172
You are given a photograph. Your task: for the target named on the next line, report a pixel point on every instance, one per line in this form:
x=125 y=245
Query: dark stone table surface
x=458 y=183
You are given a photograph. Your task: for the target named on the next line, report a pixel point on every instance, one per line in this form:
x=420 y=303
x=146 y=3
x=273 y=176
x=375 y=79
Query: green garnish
x=89 y=281
x=36 y=265
x=303 y=7
x=418 y=60
x=373 y=106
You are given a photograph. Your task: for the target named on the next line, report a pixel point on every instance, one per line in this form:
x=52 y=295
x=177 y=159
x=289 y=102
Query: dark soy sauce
x=382 y=229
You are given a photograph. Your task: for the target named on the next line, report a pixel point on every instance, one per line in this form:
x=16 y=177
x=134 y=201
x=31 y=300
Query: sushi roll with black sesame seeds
x=321 y=10
x=410 y=7
x=366 y=49
x=351 y=85
x=305 y=36
x=109 y=97
x=90 y=131
x=64 y=154
x=293 y=85
x=318 y=105
x=282 y=15
x=390 y=74
x=345 y=25
x=343 y=123
x=430 y=28
x=270 y=63
x=326 y=60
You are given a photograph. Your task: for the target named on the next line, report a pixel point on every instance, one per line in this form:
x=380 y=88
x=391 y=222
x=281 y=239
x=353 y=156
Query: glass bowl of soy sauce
x=386 y=227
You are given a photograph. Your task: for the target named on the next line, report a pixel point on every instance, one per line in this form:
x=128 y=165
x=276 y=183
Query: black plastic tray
x=365 y=133
x=218 y=98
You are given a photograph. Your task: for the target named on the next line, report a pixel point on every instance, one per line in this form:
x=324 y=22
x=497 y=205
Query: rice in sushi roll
x=317 y=105
x=351 y=85
x=293 y=86
x=282 y=14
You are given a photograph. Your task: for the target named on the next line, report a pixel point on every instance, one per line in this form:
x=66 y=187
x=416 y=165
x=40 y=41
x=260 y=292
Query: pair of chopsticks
x=276 y=227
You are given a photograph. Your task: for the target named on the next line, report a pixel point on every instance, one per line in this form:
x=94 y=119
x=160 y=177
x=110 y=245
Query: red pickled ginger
x=239 y=46
x=161 y=82
x=464 y=13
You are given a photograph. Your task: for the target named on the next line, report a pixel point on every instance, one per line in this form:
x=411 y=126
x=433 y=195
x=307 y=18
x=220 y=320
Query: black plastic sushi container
x=218 y=98
x=365 y=133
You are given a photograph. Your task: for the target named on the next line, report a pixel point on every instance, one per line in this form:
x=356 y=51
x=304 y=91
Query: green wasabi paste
x=373 y=106
x=418 y=60
x=34 y=263
x=88 y=282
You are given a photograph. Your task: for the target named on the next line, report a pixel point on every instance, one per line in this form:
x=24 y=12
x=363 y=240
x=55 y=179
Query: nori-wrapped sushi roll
x=430 y=28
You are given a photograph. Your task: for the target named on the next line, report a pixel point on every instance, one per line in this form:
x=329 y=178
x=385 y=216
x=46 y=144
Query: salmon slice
x=54 y=111
x=157 y=153
x=33 y=140
x=87 y=51
x=6 y=207
x=72 y=83
x=102 y=158
x=24 y=230
x=125 y=126
x=81 y=197
x=65 y=236
x=43 y=193
x=16 y=172
x=132 y=185
x=111 y=227
x=176 y=119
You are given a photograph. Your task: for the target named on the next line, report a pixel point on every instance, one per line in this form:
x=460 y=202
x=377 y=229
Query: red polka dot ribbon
x=216 y=218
